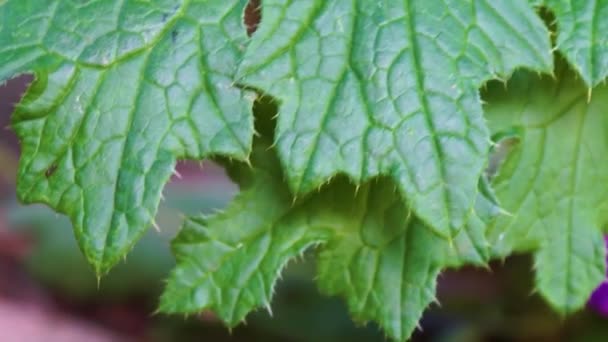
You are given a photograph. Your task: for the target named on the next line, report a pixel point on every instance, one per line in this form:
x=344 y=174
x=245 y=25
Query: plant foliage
x=120 y=94
x=552 y=182
x=378 y=155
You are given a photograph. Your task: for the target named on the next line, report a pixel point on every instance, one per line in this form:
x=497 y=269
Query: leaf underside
x=373 y=250
x=554 y=181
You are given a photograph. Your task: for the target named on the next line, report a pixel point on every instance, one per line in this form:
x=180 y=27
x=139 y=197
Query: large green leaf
x=582 y=38
x=123 y=89
x=374 y=251
x=554 y=182
x=390 y=87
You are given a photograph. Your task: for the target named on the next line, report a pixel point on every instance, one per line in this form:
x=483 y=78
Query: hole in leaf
x=50 y=171
x=505 y=144
x=253 y=16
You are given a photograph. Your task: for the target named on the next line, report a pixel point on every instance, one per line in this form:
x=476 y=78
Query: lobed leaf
x=553 y=182
x=389 y=87
x=374 y=251
x=367 y=88
x=123 y=89
x=229 y=263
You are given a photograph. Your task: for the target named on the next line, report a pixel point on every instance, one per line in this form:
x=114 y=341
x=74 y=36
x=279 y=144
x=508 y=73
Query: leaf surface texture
x=123 y=89
x=372 y=250
x=390 y=88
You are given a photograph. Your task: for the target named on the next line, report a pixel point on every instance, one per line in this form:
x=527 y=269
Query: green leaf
x=123 y=89
x=386 y=267
x=229 y=263
x=390 y=88
x=554 y=181
x=582 y=38
x=374 y=251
